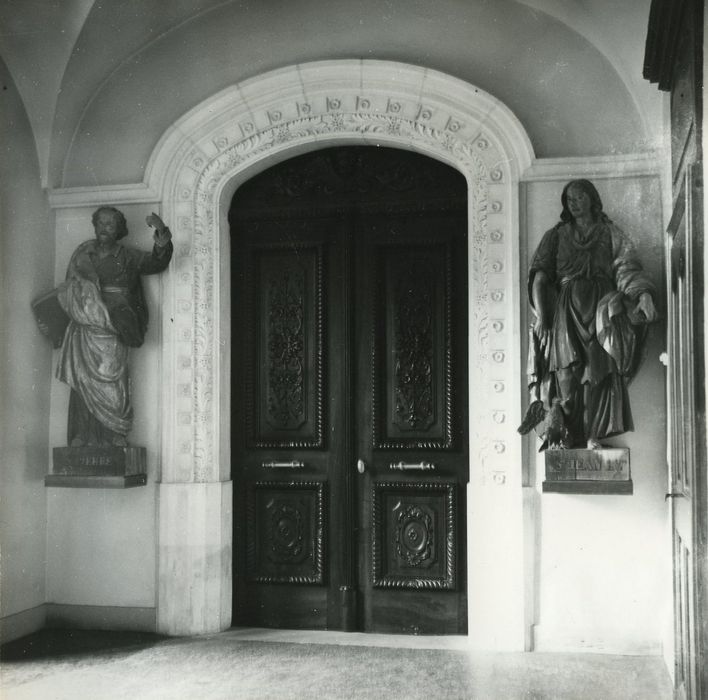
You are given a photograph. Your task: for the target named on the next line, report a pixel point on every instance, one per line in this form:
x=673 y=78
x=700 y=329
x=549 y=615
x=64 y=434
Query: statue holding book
x=105 y=315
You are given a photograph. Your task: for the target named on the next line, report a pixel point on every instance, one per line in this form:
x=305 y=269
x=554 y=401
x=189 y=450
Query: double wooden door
x=349 y=421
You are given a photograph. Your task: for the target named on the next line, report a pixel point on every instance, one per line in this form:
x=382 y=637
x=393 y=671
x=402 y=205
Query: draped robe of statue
x=104 y=299
x=594 y=280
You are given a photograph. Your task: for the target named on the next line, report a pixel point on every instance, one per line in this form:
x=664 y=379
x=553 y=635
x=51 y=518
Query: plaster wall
x=102 y=542
x=602 y=561
x=26 y=263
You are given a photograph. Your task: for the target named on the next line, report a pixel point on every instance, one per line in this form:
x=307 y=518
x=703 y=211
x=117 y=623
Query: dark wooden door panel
x=282 y=311
x=414 y=527
x=285 y=532
x=285 y=555
x=412 y=338
x=415 y=612
x=276 y=607
x=284 y=292
x=418 y=581
x=412 y=379
x=286 y=470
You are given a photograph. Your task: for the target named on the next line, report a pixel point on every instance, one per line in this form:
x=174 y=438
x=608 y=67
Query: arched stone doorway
x=197 y=167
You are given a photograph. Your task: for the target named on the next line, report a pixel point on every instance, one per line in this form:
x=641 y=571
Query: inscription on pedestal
x=610 y=464
x=99 y=461
x=98 y=467
x=588 y=471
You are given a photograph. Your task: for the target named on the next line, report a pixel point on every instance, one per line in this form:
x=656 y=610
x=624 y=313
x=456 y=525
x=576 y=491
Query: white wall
x=602 y=561
x=26 y=263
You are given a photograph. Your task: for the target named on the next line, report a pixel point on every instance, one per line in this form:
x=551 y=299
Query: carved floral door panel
x=349 y=413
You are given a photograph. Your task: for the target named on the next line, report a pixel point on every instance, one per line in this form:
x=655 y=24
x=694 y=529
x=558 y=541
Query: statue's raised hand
x=162 y=234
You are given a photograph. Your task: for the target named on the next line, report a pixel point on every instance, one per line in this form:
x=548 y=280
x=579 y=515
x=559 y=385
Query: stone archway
x=196 y=167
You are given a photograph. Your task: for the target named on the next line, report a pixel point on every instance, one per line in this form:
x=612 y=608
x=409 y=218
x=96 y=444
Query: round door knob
x=360 y=466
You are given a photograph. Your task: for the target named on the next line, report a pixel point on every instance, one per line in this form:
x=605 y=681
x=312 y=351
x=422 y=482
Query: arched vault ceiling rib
x=610 y=27
x=179 y=17
x=36 y=41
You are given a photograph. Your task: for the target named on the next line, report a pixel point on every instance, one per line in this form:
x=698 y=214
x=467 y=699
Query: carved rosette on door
x=285 y=522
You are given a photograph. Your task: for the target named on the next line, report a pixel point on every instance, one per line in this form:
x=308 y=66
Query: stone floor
x=253 y=663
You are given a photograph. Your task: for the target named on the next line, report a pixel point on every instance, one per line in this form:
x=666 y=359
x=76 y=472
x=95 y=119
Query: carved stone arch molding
x=195 y=169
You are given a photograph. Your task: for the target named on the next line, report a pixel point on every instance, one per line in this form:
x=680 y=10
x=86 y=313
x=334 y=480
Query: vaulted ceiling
x=92 y=72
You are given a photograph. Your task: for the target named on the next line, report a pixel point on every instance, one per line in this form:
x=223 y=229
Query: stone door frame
x=194 y=171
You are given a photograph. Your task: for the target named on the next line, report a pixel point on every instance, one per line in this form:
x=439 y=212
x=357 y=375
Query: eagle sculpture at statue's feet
x=553 y=431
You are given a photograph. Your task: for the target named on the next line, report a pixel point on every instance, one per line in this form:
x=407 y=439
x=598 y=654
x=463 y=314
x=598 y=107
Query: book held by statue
x=51 y=317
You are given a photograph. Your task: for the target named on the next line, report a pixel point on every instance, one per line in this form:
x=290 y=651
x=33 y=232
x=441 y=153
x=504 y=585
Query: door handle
x=404 y=466
x=360 y=466
x=295 y=464
x=673 y=495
